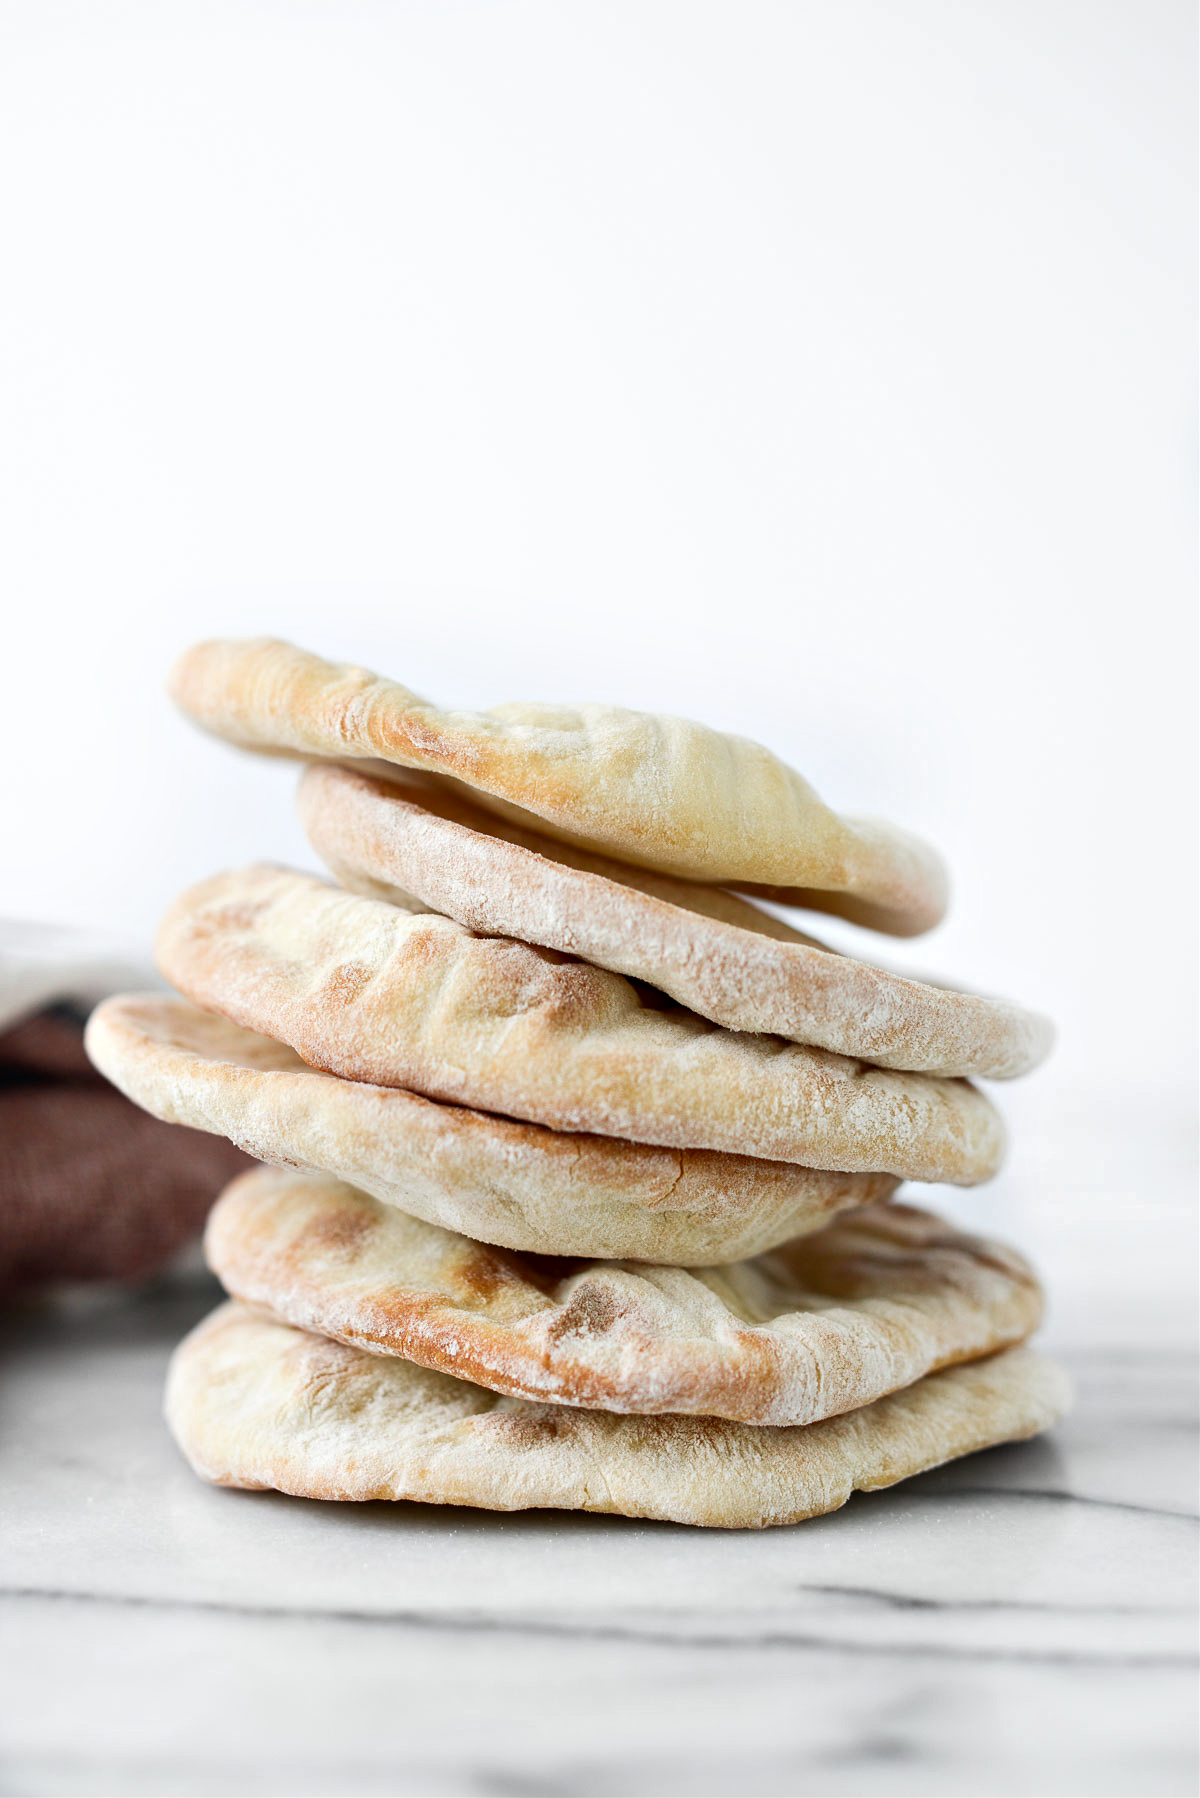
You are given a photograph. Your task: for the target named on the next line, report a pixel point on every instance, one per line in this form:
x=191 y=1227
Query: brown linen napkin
x=91 y=1188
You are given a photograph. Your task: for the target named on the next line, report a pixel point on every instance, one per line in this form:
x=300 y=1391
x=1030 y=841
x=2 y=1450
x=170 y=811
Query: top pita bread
x=418 y=842
x=374 y=993
x=660 y=792
x=255 y=1403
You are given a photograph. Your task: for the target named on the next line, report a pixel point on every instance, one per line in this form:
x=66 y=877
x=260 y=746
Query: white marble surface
x=1022 y=1622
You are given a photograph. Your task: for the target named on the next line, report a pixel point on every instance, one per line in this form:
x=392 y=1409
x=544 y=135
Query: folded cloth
x=90 y=1187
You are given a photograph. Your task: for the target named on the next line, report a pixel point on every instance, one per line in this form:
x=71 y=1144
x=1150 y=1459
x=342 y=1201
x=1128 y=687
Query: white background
x=823 y=371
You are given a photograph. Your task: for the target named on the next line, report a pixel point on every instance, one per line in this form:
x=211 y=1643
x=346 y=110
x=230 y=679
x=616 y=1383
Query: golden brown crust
x=821 y=1326
x=373 y=993
x=408 y=838
x=255 y=1403
x=656 y=791
x=503 y=1182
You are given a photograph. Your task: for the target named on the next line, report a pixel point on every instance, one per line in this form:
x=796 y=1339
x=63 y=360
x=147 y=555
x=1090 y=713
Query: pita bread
x=824 y=1325
x=418 y=843
x=372 y=993
x=514 y=1184
x=660 y=792
x=255 y=1403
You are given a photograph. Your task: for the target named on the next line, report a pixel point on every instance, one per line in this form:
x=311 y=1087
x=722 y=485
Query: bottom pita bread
x=255 y=1403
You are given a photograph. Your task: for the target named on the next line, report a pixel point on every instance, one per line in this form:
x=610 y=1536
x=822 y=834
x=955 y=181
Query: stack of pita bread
x=580 y=1163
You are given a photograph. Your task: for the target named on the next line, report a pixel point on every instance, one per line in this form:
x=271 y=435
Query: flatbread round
x=374 y=993
x=256 y=1403
x=827 y=1324
x=502 y=1182
x=657 y=791
x=414 y=840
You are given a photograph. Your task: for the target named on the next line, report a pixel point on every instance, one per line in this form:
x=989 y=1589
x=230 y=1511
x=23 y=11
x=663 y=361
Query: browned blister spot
x=346 y=982
x=525 y=1429
x=480 y=1273
x=340 y=1231
x=421 y=944
x=591 y=1310
x=233 y=918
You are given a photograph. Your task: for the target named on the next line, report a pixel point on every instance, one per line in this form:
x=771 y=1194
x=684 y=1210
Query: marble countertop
x=1020 y=1622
